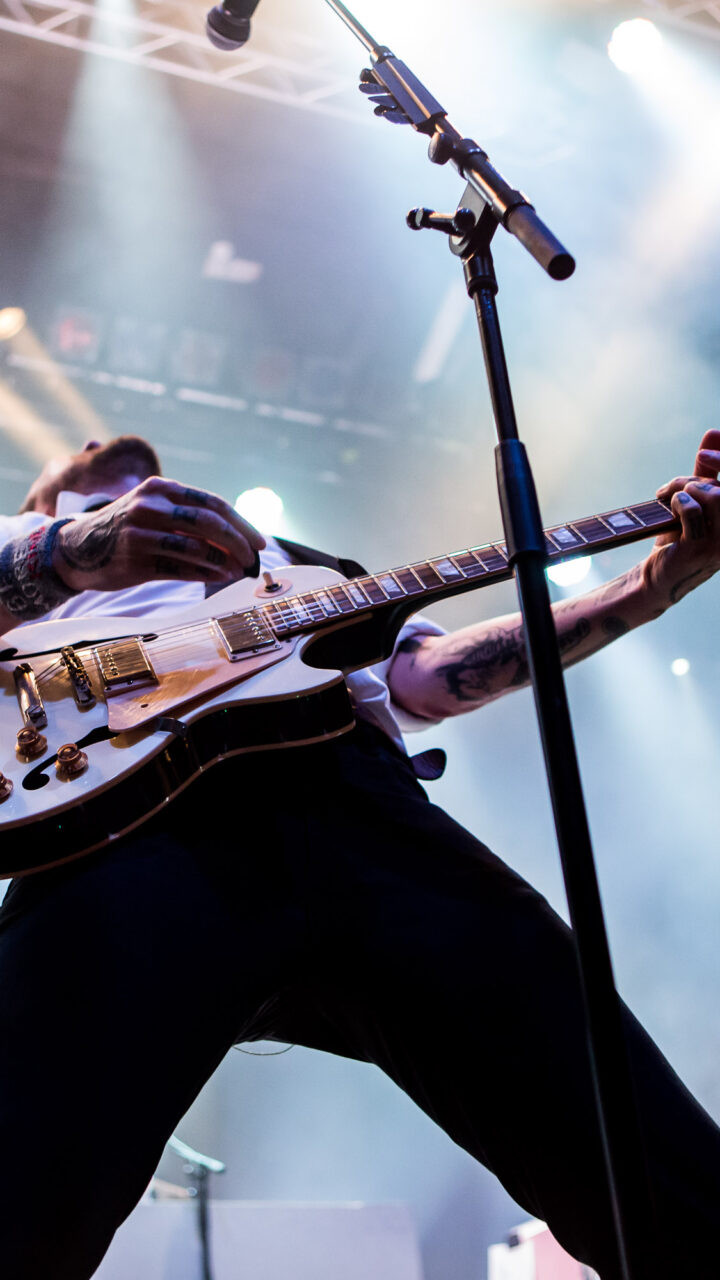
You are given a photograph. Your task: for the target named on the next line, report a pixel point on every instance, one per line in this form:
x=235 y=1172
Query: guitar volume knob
x=70 y=761
x=30 y=744
x=6 y=787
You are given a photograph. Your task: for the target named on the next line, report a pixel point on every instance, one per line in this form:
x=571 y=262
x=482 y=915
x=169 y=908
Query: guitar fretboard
x=448 y=574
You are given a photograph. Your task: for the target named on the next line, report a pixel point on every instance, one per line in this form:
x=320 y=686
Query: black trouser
x=342 y=911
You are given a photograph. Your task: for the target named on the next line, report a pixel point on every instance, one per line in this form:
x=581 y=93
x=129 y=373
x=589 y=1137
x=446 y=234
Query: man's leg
x=123 y=981
x=454 y=976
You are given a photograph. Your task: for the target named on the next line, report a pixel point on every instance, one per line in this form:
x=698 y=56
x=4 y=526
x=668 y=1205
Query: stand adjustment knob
x=70 y=761
x=6 y=787
x=30 y=744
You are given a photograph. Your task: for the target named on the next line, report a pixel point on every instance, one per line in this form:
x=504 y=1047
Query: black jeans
x=342 y=911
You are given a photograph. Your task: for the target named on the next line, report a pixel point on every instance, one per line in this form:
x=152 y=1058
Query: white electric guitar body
x=102 y=722
x=137 y=741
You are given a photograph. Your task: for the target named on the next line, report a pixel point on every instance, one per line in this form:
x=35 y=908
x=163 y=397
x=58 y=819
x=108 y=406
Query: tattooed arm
x=158 y=529
x=437 y=676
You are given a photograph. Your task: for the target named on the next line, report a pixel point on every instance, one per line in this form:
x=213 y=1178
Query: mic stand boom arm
x=489 y=202
x=402 y=98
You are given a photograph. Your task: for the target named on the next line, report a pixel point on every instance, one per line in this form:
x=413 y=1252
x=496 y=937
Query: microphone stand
x=487 y=203
x=198 y=1169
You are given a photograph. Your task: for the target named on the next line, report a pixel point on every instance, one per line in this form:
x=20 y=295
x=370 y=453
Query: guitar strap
x=308 y=555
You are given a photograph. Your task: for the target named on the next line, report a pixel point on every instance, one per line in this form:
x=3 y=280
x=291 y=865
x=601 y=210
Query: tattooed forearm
x=477 y=668
x=410 y=648
x=447 y=675
x=92 y=549
x=614 y=627
x=499 y=662
x=29 y=585
x=682 y=587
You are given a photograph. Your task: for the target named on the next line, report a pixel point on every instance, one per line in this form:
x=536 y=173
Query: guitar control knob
x=6 y=787
x=30 y=744
x=271 y=586
x=70 y=761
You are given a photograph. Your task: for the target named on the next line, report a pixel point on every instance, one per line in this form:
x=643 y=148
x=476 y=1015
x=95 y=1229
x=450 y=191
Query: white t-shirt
x=368 y=687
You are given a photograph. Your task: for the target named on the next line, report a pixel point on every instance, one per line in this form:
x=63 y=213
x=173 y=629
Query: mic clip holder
x=458 y=224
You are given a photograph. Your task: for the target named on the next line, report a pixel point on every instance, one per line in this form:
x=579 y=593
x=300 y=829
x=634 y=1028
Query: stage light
x=262 y=507
x=12 y=320
x=570 y=572
x=680 y=667
x=636 y=46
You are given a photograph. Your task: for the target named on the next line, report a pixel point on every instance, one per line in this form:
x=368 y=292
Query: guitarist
x=366 y=922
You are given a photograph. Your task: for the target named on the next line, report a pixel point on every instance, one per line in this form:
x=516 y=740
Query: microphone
x=228 y=24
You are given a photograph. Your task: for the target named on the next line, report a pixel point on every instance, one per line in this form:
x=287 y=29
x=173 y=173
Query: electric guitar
x=102 y=723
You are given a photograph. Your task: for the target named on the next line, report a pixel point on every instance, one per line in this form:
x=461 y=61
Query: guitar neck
x=426 y=581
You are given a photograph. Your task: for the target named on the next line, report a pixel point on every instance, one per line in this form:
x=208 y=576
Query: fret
x=492 y=558
x=447 y=569
x=469 y=564
x=621 y=521
x=374 y=592
x=649 y=513
x=327 y=604
x=408 y=580
x=342 y=601
x=564 y=539
x=591 y=530
x=357 y=595
x=287 y=613
x=302 y=613
x=275 y=619
x=427 y=575
x=313 y=607
x=390 y=585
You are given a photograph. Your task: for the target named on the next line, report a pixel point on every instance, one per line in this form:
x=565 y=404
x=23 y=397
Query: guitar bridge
x=79 y=678
x=244 y=635
x=123 y=665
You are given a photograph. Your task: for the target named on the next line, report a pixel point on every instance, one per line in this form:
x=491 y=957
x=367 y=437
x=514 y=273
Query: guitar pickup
x=245 y=634
x=123 y=665
x=32 y=707
x=79 y=678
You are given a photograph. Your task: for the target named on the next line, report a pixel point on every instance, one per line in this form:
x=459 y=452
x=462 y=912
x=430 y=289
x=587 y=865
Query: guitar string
x=177 y=637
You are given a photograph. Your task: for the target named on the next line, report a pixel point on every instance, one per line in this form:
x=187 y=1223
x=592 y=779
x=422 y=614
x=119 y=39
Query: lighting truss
x=703 y=19
x=168 y=35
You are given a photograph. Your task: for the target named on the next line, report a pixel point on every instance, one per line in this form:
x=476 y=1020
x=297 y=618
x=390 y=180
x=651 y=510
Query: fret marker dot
x=569 y=572
x=680 y=667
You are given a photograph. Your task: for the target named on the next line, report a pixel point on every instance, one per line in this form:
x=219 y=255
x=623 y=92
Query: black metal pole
x=400 y=96
x=625 y=1160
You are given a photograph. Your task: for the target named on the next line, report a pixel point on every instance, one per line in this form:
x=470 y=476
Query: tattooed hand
x=681 y=561
x=160 y=529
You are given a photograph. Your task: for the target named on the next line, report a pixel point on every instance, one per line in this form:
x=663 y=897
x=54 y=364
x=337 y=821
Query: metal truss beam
x=700 y=18
x=168 y=35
